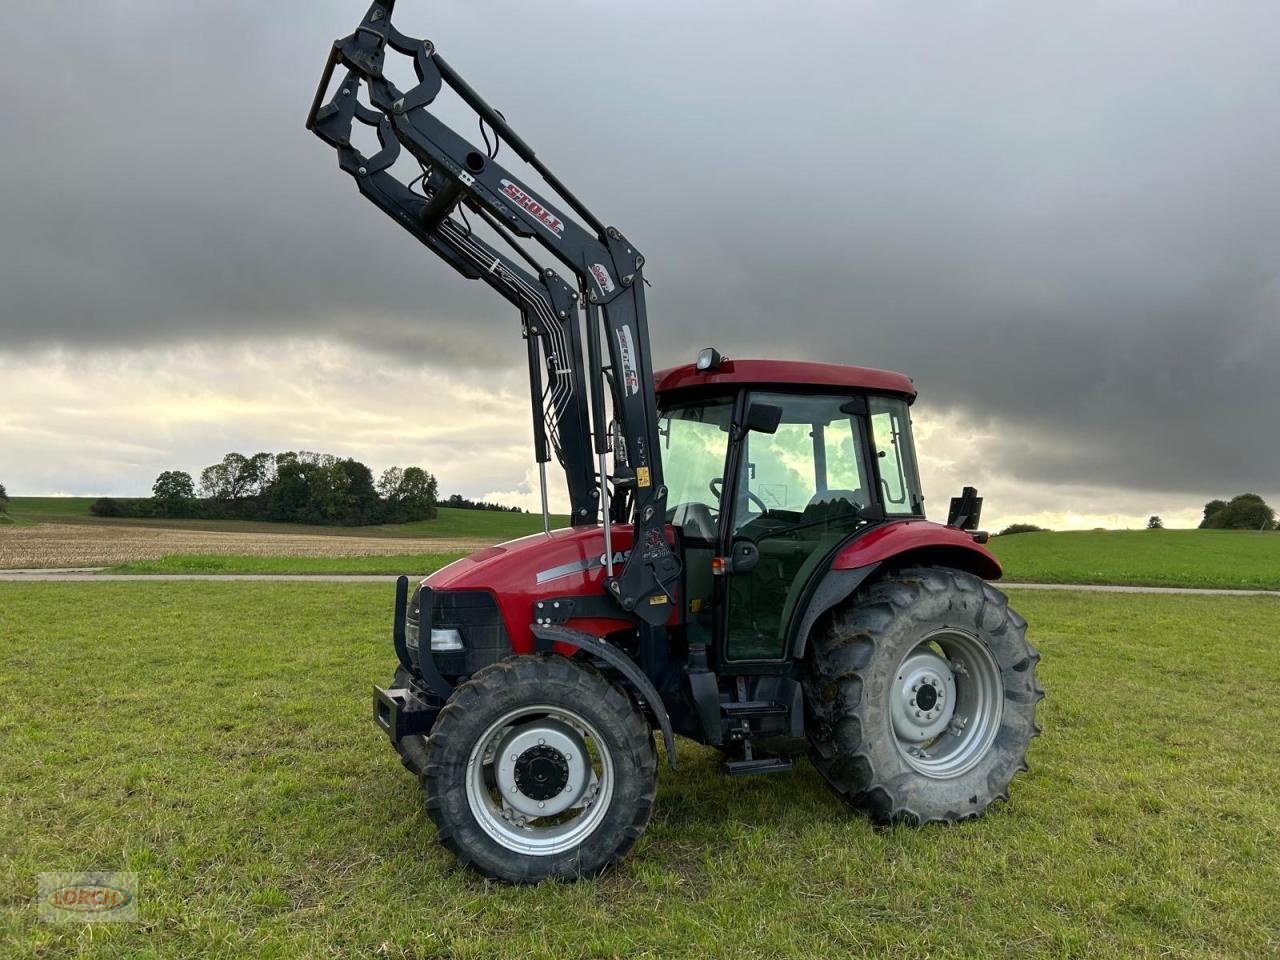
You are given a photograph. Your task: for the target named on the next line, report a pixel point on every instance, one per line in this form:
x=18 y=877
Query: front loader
x=748 y=563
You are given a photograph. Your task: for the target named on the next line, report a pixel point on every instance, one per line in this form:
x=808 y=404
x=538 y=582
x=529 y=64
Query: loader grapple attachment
x=587 y=336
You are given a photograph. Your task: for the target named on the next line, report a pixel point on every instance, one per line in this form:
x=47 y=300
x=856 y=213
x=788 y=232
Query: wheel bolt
x=568 y=756
x=513 y=758
x=541 y=742
x=541 y=804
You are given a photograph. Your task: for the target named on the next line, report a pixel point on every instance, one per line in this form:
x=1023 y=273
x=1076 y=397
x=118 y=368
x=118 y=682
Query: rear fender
x=898 y=544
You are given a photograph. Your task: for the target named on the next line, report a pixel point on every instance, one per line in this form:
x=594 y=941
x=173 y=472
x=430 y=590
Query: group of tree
x=459 y=502
x=4 y=499
x=1248 y=511
x=1013 y=528
x=315 y=488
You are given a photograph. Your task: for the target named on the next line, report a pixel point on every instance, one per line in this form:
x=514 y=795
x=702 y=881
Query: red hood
x=562 y=562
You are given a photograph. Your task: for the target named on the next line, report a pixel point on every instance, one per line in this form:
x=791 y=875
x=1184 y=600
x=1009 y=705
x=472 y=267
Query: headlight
x=444 y=641
x=413 y=622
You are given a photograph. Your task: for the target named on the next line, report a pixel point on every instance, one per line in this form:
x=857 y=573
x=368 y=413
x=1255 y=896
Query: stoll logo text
x=88 y=897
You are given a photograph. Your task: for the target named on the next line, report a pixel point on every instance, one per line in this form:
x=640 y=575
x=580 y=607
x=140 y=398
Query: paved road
x=89 y=574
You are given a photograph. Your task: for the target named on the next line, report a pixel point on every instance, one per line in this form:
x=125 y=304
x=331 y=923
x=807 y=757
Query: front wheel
x=922 y=694
x=540 y=767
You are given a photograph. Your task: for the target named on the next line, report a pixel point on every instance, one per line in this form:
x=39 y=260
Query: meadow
x=59 y=532
x=1149 y=558
x=487 y=525
x=216 y=739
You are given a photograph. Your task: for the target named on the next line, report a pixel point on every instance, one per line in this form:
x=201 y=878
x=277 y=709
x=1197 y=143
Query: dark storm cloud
x=1060 y=217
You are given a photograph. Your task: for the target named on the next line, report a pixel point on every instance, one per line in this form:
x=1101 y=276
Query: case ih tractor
x=749 y=564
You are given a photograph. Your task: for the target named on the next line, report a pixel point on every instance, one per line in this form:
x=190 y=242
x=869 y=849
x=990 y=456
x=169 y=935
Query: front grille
x=474 y=614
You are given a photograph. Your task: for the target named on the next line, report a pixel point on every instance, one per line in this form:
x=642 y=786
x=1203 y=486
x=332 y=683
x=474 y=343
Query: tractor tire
x=921 y=695
x=538 y=767
x=412 y=750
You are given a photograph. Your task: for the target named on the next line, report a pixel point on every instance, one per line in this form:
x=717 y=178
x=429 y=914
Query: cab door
x=800 y=492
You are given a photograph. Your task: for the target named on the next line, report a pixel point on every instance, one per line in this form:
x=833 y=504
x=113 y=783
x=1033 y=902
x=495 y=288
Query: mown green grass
x=215 y=738
x=451 y=522
x=419 y=564
x=1161 y=558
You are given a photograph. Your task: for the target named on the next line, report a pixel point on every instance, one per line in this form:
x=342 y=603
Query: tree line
x=305 y=487
x=1248 y=511
x=459 y=502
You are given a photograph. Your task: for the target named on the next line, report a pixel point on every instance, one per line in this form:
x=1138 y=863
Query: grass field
x=486 y=525
x=58 y=532
x=1161 y=558
x=419 y=564
x=215 y=738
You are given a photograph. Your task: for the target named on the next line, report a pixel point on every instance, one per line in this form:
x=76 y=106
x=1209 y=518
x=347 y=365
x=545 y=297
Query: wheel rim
x=540 y=780
x=946 y=702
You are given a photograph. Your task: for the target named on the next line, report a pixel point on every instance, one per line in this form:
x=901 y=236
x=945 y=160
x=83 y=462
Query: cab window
x=802 y=491
x=694 y=440
x=895 y=457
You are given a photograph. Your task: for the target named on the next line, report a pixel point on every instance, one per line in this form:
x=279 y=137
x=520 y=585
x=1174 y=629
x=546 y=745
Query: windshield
x=694 y=439
x=808 y=473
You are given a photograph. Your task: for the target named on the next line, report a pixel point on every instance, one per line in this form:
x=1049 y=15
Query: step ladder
x=742 y=711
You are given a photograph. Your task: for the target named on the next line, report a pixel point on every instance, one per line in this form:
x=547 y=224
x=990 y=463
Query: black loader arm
x=607 y=297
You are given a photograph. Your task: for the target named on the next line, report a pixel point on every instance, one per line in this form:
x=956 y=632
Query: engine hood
x=562 y=562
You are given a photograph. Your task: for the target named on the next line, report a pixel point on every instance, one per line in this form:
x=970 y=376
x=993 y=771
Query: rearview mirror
x=764 y=417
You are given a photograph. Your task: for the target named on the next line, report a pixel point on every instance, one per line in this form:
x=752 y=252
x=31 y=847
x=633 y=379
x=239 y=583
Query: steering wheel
x=717 y=485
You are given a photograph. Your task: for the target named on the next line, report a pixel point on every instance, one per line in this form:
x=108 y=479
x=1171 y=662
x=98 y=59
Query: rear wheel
x=540 y=767
x=922 y=695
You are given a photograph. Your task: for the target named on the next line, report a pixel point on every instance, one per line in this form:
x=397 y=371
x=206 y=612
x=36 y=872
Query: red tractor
x=749 y=564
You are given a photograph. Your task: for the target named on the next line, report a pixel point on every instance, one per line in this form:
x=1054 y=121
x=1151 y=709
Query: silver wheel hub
x=925 y=698
x=540 y=780
x=541 y=768
x=946 y=703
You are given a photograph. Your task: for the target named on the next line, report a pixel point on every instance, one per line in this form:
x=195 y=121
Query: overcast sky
x=1063 y=220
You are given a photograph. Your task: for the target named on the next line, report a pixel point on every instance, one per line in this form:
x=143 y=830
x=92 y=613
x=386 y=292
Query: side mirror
x=764 y=417
x=743 y=556
x=966 y=510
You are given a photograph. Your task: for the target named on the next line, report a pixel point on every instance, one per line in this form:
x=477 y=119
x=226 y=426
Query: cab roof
x=789 y=373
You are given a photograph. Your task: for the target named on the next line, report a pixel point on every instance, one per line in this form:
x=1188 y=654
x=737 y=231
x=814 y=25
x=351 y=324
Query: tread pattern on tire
x=847 y=654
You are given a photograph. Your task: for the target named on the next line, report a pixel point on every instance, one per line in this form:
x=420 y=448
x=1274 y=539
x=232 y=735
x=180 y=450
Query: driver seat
x=828 y=498
x=694 y=520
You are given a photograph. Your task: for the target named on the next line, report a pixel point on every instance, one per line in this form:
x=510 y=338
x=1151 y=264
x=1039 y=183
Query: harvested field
x=108 y=544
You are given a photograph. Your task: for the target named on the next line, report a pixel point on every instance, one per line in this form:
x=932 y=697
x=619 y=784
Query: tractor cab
x=770 y=466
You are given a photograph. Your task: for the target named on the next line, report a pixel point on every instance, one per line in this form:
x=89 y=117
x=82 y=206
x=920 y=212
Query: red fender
x=903 y=542
x=919 y=541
